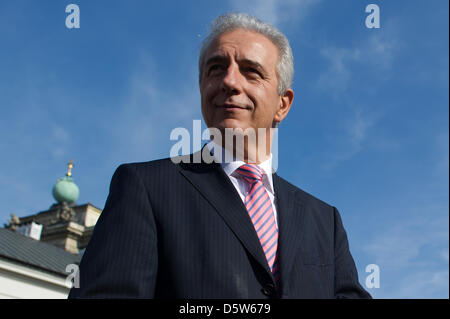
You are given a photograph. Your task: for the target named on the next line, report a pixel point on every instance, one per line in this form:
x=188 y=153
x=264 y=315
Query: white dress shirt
x=239 y=183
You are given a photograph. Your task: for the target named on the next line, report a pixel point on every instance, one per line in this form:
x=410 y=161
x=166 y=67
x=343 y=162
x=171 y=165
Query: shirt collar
x=230 y=167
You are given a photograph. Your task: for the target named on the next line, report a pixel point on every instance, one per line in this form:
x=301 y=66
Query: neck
x=245 y=147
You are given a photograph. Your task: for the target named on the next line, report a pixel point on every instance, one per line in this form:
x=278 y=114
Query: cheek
x=208 y=92
x=268 y=104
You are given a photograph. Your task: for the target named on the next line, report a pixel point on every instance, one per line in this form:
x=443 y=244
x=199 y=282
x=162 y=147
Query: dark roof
x=35 y=253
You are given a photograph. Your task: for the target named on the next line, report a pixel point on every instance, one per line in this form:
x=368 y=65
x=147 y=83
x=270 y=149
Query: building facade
x=40 y=253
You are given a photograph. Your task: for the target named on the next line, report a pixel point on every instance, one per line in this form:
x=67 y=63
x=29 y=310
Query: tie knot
x=250 y=172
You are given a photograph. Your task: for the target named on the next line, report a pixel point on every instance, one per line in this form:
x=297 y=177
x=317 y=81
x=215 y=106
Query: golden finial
x=70 y=165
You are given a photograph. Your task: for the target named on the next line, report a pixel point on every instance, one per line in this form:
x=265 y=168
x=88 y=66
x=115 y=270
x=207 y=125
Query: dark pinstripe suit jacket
x=181 y=231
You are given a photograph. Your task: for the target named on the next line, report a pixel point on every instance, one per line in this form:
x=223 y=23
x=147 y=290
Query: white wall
x=19 y=281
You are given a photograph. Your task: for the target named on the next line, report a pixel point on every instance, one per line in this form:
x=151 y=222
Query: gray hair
x=232 y=21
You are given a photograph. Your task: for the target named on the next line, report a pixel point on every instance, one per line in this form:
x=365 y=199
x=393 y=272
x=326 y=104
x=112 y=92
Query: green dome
x=65 y=190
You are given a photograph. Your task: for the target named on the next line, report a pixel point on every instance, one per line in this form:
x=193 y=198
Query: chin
x=232 y=124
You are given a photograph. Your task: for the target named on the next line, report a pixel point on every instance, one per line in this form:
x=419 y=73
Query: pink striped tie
x=260 y=210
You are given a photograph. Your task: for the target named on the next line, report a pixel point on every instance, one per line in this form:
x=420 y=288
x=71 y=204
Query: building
x=39 y=253
x=32 y=269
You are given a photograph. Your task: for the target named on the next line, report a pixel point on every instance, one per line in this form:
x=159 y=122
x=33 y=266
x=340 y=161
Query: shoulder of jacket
x=305 y=197
x=159 y=164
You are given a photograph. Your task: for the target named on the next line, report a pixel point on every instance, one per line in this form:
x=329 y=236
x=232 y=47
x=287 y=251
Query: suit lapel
x=215 y=186
x=291 y=224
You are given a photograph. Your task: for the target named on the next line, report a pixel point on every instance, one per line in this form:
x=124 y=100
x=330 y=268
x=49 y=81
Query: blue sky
x=368 y=131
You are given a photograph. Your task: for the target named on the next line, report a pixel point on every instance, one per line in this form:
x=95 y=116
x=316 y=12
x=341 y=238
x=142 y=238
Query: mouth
x=232 y=107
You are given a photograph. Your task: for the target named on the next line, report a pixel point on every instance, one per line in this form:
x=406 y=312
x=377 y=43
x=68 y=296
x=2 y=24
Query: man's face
x=239 y=84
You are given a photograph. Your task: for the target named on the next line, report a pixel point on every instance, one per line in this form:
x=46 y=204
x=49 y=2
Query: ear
x=285 y=105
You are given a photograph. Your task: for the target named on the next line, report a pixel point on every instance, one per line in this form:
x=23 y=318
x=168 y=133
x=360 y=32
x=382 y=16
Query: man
x=201 y=229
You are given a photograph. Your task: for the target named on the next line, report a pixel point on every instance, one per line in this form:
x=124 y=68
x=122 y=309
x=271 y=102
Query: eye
x=253 y=71
x=215 y=68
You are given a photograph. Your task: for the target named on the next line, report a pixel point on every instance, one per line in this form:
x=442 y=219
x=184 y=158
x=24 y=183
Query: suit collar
x=223 y=156
x=292 y=225
x=212 y=182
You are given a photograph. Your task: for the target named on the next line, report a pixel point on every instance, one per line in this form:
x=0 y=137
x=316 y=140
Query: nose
x=232 y=80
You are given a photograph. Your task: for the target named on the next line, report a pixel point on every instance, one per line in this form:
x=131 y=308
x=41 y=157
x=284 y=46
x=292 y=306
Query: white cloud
x=422 y=284
x=413 y=255
x=150 y=110
x=371 y=60
x=58 y=141
x=338 y=74
x=444 y=255
x=273 y=11
x=377 y=51
x=358 y=129
x=355 y=133
x=59 y=133
x=401 y=243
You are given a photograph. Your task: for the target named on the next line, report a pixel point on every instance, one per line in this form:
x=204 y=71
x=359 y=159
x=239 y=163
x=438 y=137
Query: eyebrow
x=221 y=58
x=215 y=58
x=255 y=65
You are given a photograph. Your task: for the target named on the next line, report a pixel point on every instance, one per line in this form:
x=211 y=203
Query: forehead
x=243 y=44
